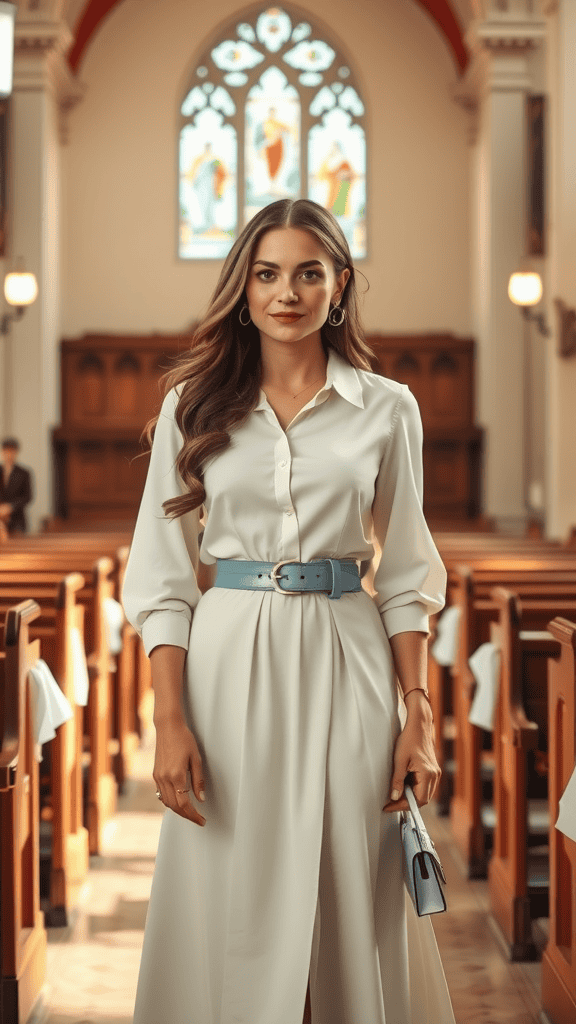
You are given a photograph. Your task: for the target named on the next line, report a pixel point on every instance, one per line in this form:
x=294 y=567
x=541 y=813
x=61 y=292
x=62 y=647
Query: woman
x=279 y=712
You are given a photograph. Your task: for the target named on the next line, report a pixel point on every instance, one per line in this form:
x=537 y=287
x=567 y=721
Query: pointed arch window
x=273 y=111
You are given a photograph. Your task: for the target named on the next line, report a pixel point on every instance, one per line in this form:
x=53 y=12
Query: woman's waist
x=291 y=575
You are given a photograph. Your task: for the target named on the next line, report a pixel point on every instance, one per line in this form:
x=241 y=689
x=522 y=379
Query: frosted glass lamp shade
x=525 y=289
x=20 y=289
x=7 y=18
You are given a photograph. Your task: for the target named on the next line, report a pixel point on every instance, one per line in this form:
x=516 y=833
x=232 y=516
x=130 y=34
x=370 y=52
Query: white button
x=290 y=512
x=282 y=464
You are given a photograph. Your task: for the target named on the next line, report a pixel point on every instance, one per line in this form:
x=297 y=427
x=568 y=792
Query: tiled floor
x=93 y=964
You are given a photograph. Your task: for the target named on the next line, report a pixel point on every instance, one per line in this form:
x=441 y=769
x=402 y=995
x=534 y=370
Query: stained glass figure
x=336 y=162
x=272 y=111
x=208 y=203
x=272 y=142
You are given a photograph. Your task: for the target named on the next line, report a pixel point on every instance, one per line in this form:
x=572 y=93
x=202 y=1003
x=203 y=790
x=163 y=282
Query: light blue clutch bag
x=423 y=872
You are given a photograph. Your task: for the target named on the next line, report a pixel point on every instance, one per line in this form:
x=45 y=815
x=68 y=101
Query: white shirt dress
x=293 y=701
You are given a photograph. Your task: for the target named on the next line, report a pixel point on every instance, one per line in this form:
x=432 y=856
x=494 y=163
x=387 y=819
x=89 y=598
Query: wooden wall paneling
x=110 y=390
x=124 y=402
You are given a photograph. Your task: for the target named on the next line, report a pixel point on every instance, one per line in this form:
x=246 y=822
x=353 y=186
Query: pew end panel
x=466 y=804
x=63 y=839
x=559 y=956
x=23 y=938
x=69 y=859
x=102 y=791
x=517 y=882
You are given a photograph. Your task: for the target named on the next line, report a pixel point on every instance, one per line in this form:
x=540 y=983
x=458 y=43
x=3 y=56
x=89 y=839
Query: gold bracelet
x=422 y=690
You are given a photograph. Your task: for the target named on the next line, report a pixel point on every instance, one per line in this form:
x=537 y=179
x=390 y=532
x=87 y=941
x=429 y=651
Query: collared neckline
x=339 y=374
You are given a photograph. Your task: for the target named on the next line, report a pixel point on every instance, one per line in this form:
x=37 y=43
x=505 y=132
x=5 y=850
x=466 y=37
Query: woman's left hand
x=414 y=752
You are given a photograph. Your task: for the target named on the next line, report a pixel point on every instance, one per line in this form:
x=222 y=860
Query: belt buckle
x=274 y=578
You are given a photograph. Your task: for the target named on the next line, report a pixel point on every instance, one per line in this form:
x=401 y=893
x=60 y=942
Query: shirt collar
x=339 y=374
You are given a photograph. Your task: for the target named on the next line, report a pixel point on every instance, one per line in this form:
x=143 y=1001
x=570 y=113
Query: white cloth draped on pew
x=485 y=667
x=445 y=646
x=567 y=817
x=80 y=668
x=50 y=707
x=114 y=618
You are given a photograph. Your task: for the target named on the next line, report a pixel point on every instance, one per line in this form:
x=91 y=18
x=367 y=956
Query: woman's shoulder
x=386 y=384
x=388 y=396
x=170 y=400
x=379 y=389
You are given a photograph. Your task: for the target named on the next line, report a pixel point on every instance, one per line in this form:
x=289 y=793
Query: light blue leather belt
x=334 y=575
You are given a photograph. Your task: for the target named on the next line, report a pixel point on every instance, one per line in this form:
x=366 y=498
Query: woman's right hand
x=176 y=751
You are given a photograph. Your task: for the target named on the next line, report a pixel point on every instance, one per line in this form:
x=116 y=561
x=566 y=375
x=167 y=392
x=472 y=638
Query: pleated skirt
x=297 y=875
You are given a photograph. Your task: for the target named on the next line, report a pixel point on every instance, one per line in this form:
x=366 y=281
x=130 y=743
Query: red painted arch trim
x=440 y=11
x=94 y=12
x=445 y=18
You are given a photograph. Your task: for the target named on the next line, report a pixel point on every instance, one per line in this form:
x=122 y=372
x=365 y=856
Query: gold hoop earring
x=248 y=321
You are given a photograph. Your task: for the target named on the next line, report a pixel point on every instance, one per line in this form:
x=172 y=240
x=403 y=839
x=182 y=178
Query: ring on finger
x=159 y=794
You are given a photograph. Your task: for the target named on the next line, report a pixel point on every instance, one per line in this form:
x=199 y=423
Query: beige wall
x=120 y=270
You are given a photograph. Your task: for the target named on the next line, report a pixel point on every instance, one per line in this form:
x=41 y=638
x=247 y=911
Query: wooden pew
x=63 y=838
x=128 y=691
x=85 y=524
x=559 y=956
x=543 y=593
x=517 y=882
x=487 y=550
x=102 y=786
x=23 y=939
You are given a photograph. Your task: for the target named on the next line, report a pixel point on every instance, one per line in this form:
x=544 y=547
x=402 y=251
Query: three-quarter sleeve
x=410 y=581
x=160 y=589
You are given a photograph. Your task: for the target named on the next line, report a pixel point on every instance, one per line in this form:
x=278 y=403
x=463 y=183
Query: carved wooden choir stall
x=110 y=389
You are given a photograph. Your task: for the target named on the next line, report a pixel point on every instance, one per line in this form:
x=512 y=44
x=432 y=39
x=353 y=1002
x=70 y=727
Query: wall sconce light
x=525 y=289
x=20 y=290
x=7 y=19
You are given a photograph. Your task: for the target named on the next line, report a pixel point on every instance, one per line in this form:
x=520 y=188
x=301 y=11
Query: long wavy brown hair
x=221 y=371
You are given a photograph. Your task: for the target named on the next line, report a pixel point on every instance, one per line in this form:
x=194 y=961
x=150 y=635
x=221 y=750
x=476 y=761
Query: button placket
x=289 y=538
x=289 y=535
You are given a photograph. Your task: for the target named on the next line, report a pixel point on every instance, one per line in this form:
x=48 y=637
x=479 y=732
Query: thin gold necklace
x=307 y=386
x=305 y=389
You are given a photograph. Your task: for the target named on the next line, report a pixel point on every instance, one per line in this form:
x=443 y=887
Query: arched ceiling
x=85 y=17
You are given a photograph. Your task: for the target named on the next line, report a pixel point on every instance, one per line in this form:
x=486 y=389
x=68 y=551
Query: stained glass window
x=273 y=111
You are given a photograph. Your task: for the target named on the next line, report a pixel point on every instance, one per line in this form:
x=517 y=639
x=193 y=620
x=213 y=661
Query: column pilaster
x=44 y=90
x=493 y=91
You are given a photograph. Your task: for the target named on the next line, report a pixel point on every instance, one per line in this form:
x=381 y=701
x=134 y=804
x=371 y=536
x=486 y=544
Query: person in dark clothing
x=15 y=488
